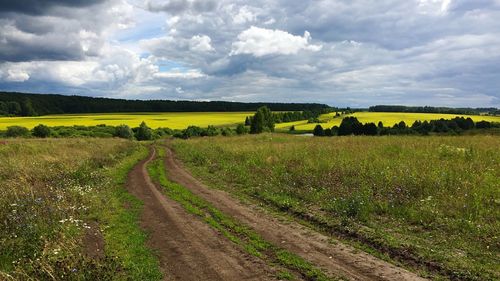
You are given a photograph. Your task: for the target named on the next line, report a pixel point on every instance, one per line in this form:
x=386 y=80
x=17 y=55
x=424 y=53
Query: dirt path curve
x=335 y=258
x=188 y=248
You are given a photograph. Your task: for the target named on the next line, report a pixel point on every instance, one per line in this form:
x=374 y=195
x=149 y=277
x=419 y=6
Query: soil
x=331 y=255
x=187 y=247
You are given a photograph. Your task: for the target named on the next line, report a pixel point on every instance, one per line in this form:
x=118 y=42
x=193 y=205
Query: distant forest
x=431 y=109
x=23 y=104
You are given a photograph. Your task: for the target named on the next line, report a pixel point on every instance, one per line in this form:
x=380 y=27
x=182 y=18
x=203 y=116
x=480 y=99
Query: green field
x=432 y=200
x=52 y=195
x=172 y=120
x=388 y=118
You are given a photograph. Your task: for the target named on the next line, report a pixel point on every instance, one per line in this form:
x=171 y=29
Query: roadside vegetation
x=53 y=224
x=429 y=202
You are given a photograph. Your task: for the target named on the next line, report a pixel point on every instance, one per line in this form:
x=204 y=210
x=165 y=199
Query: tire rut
x=334 y=258
x=188 y=248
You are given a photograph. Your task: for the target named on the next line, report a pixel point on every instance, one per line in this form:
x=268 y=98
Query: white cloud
x=261 y=42
x=200 y=43
x=17 y=75
x=177 y=73
x=244 y=15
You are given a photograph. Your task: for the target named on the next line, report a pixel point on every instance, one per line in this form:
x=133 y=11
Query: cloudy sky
x=339 y=52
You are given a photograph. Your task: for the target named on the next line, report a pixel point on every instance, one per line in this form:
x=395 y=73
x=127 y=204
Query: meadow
x=388 y=118
x=433 y=202
x=51 y=213
x=172 y=120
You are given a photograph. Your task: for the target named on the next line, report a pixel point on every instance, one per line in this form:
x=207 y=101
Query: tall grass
x=435 y=200
x=50 y=197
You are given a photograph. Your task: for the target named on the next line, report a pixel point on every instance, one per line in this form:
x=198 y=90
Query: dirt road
x=188 y=248
x=335 y=258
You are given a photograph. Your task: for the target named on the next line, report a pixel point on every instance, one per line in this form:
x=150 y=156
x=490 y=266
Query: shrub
x=16 y=131
x=241 y=129
x=124 y=132
x=41 y=131
x=318 y=131
x=144 y=132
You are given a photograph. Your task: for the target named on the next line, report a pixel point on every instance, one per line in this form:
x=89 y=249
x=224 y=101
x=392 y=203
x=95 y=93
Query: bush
x=16 y=131
x=318 y=131
x=241 y=129
x=41 y=131
x=124 y=132
x=144 y=132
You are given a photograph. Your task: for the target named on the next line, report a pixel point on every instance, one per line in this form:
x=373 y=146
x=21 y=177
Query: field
x=172 y=120
x=182 y=120
x=51 y=215
x=388 y=118
x=430 y=201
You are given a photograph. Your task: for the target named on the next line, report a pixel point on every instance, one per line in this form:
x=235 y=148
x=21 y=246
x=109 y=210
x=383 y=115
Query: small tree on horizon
x=262 y=121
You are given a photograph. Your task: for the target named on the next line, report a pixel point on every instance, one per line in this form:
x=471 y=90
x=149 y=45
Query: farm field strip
x=172 y=120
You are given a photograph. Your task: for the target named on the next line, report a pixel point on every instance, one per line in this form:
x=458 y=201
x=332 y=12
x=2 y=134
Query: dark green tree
x=14 y=108
x=318 y=131
x=124 y=132
x=144 y=132
x=27 y=108
x=241 y=129
x=370 y=129
x=41 y=131
x=262 y=121
x=16 y=131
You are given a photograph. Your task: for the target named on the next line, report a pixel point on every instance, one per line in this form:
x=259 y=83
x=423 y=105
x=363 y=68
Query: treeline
x=292 y=116
x=431 y=109
x=41 y=104
x=351 y=126
x=141 y=133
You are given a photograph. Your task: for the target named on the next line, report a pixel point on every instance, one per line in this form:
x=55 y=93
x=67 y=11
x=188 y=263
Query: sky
x=340 y=52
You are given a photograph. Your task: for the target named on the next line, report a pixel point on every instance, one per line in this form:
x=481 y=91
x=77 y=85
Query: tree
x=124 y=132
x=144 y=132
x=248 y=121
x=241 y=129
x=380 y=125
x=41 y=131
x=4 y=109
x=27 y=108
x=292 y=129
x=16 y=131
x=210 y=131
x=262 y=121
x=318 y=131
x=14 y=108
x=370 y=129
x=349 y=126
x=328 y=132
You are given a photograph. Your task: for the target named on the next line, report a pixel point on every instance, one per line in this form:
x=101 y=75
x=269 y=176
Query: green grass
x=125 y=240
x=388 y=118
x=235 y=231
x=429 y=201
x=52 y=191
x=172 y=120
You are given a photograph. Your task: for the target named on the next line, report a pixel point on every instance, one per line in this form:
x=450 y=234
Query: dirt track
x=188 y=248
x=338 y=259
